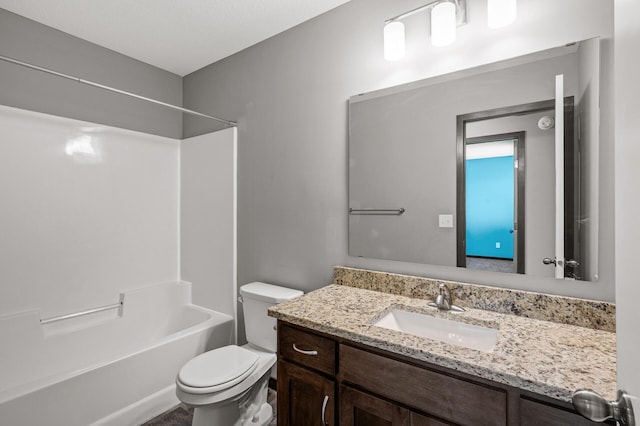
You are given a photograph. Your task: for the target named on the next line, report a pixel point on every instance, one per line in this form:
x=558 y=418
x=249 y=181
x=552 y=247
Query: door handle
x=572 y=263
x=597 y=409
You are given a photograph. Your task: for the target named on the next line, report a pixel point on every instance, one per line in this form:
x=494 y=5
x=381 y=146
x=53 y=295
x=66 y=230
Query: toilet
x=228 y=386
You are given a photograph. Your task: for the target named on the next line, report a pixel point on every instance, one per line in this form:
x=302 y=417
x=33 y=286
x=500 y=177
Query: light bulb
x=394 y=41
x=443 y=24
x=500 y=13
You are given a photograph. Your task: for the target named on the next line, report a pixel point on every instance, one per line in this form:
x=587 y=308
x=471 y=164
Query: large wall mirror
x=494 y=168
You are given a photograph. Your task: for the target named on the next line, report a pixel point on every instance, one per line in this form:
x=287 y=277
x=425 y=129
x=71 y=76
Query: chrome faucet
x=443 y=300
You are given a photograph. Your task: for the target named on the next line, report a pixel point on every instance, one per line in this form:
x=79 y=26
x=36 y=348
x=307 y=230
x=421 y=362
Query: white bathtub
x=102 y=368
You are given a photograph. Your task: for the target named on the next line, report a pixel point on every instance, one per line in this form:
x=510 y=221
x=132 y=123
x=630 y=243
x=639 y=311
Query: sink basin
x=448 y=331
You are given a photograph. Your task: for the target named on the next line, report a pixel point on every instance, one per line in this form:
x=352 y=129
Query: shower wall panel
x=87 y=211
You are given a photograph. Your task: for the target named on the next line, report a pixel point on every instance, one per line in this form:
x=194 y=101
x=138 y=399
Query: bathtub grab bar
x=118 y=306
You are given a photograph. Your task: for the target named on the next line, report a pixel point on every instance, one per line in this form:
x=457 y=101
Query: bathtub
x=115 y=367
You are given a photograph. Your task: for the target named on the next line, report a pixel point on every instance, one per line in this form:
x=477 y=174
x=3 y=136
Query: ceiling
x=178 y=36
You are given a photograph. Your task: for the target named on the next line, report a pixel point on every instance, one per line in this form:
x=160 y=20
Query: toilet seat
x=217 y=370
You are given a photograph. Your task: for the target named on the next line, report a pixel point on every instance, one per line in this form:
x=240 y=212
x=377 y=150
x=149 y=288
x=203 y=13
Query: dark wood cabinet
x=420 y=420
x=307 y=349
x=305 y=398
x=377 y=388
x=459 y=401
x=362 y=409
x=534 y=413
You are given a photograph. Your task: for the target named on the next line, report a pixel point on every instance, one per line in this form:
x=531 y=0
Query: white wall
x=76 y=229
x=627 y=121
x=290 y=95
x=207 y=218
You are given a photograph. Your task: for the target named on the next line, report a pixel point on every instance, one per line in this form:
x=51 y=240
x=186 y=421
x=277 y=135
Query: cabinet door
x=304 y=397
x=420 y=420
x=362 y=409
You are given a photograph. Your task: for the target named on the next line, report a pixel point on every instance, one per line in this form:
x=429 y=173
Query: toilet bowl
x=228 y=386
x=233 y=381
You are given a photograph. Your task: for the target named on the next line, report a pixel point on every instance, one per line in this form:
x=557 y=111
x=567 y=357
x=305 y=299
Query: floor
x=489 y=264
x=182 y=415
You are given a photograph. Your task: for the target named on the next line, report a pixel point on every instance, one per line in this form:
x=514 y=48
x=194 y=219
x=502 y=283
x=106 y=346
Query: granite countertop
x=544 y=357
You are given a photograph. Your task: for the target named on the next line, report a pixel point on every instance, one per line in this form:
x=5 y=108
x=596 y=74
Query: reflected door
x=570 y=259
x=493 y=188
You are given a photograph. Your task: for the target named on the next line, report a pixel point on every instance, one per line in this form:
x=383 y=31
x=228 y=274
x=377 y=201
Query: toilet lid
x=217 y=367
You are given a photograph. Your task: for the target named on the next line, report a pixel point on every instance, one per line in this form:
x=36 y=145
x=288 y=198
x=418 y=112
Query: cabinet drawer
x=449 y=398
x=307 y=349
x=534 y=413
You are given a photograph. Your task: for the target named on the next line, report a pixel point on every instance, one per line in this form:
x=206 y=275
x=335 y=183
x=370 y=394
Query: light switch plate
x=445 y=221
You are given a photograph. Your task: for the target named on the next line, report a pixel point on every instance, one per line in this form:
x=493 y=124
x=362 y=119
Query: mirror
x=460 y=170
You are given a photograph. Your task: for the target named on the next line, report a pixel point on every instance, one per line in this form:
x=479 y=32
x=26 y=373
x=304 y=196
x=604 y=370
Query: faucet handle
x=444 y=290
x=443 y=300
x=444 y=297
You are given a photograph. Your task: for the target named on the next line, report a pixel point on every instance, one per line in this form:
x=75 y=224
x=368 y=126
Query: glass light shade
x=443 y=24
x=500 y=13
x=394 y=41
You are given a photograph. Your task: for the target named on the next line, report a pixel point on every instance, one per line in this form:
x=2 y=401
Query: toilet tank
x=257 y=297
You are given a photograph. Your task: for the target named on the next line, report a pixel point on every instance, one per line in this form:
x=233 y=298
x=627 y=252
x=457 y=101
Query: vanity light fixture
x=501 y=13
x=446 y=15
x=394 y=41
x=443 y=24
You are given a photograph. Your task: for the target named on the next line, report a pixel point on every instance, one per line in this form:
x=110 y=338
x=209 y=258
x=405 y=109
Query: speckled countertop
x=544 y=357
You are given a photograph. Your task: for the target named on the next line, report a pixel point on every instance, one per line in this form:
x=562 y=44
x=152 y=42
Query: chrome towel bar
x=118 y=305
x=389 y=212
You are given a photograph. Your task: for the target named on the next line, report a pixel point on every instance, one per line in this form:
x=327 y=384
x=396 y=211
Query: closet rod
x=111 y=89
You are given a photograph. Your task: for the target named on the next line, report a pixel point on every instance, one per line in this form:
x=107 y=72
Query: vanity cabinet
x=306 y=378
x=304 y=397
x=378 y=388
x=535 y=413
x=449 y=398
x=362 y=409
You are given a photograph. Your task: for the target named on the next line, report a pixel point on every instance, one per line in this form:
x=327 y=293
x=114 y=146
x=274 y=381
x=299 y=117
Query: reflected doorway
x=494 y=202
x=530 y=119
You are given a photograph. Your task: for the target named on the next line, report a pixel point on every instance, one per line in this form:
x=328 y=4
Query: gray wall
x=289 y=94
x=32 y=42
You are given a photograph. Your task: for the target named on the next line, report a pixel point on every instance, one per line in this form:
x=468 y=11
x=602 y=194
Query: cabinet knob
x=304 y=352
